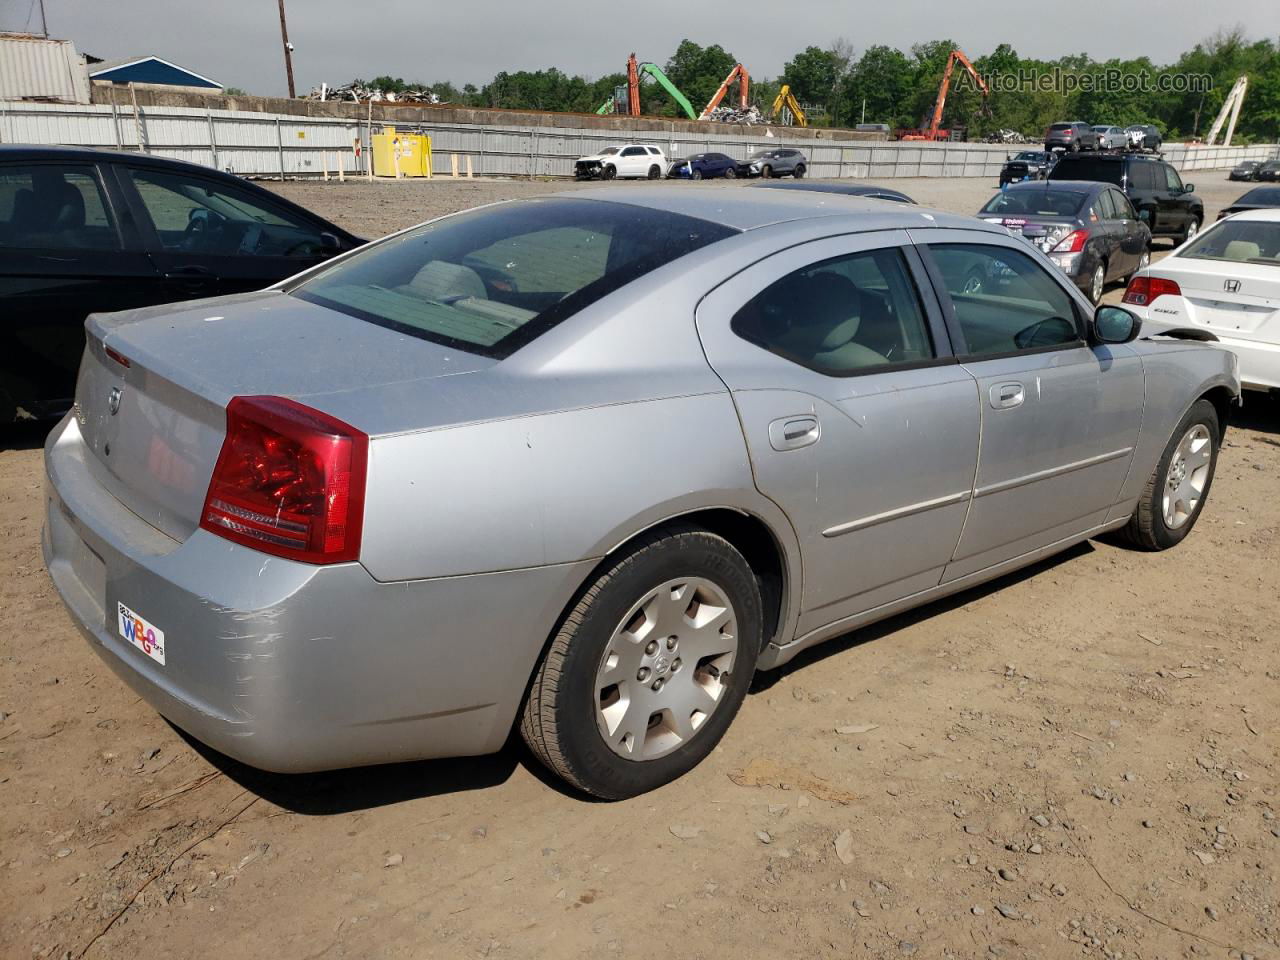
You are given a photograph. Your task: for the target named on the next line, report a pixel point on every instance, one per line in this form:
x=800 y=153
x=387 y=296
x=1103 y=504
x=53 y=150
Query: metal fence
x=282 y=145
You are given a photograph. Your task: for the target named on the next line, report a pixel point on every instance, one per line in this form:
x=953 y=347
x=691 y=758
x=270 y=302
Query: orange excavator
x=932 y=132
x=739 y=73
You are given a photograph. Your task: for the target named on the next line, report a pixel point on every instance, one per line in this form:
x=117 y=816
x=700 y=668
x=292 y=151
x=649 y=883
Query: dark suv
x=1164 y=203
x=1071 y=137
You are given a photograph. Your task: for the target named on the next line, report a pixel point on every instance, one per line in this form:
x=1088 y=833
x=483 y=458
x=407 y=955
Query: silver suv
x=1071 y=137
x=774 y=162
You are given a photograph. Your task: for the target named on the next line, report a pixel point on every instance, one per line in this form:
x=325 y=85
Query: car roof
x=29 y=151
x=819 y=186
x=744 y=209
x=1068 y=186
x=1268 y=214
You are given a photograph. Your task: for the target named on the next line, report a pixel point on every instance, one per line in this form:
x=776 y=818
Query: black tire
x=1075 y=146
x=654 y=172
x=1190 y=230
x=798 y=173
x=1147 y=527
x=696 y=175
x=559 y=719
x=608 y=172
x=1096 y=286
x=766 y=171
x=730 y=173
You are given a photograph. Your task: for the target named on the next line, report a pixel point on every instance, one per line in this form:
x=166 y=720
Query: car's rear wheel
x=609 y=172
x=766 y=171
x=647 y=671
x=1075 y=146
x=654 y=172
x=1097 y=282
x=798 y=172
x=1176 y=491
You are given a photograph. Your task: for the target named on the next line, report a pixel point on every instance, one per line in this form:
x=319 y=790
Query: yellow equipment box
x=405 y=154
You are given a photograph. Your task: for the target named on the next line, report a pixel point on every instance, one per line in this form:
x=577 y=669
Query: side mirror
x=1144 y=215
x=1115 y=325
x=1188 y=187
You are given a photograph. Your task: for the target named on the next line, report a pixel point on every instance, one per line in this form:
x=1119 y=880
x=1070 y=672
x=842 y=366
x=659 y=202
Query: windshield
x=491 y=280
x=1238 y=241
x=1087 y=168
x=1029 y=155
x=1038 y=202
x=609 y=151
x=761 y=154
x=1263 y=196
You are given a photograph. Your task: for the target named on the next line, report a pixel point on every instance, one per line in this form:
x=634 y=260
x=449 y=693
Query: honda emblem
x=1231 y=286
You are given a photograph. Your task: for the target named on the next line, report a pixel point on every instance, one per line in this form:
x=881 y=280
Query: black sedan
x=88 y=231
x=847 y=189
x=1090 y=230
x=704 y=166
x=1027 y=165
x=1259 y=198
x=1245 y=170
x=1269 y=171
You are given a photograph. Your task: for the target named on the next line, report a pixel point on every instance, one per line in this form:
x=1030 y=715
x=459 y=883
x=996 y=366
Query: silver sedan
x=584 y=464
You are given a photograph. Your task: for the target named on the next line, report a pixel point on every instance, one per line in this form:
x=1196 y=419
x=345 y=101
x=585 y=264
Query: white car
x=628 y=160
x=1225 y=280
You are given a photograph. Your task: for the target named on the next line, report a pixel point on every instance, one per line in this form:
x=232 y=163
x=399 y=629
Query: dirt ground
x=1077 y=760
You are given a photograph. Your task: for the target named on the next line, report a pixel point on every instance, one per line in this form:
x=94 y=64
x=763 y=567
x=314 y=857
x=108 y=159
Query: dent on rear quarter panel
x=551 y=488
x=1177 y=374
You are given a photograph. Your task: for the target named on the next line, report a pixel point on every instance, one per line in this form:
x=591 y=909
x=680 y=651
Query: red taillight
x=289 y=481
x=1144 y=290
x=1073 y=242
x=117 y=356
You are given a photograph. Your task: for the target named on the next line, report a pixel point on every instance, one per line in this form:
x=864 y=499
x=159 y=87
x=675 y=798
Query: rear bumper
x=292 y=667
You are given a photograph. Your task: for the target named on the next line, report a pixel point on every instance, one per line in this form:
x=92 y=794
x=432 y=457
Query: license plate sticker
x=143 y=635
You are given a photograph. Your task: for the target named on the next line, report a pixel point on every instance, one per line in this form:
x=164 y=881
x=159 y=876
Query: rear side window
x=1123 y=208
x=1005 y=303
x=633 y=152
x=55 y=206
x=1088 y=168
x=852 y=314
x=1142 y=176
x=491 y=280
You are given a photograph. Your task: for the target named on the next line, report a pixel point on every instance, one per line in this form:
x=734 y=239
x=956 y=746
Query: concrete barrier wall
x=306 y=143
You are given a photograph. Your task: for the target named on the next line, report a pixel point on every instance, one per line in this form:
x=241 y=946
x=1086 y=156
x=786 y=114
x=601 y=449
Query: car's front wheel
x=609 y=172
x=766 y=171
x=1193 y=227
x=648 y=669
x=1176 y=491
x=730 y=173
x=696 y=175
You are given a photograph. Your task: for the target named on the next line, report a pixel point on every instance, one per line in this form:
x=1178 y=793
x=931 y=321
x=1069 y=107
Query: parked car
x=870 y=191
x=774 y=162
x=93 y=230
x=1027 y=165
x=1225 y=281
x=1245 y=170
x=1169 y=207
x=1259 y=198
x=1071 y=137
x=704 y=166
x=1151 y=137
x=1269 y=171
x=1111 y=138
x=1090 y=230
x=628 y=160
x=394 y=507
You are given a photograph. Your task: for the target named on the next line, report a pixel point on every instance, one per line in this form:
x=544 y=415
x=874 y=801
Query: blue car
x=704 y=166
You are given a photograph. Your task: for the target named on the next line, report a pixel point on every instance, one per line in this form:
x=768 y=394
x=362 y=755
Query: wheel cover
x=1186 y=477
x=666 y=668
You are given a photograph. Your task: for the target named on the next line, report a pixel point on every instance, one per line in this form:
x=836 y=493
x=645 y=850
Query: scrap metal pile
x=363 y=94
x=1005 y=136
x=749 y=116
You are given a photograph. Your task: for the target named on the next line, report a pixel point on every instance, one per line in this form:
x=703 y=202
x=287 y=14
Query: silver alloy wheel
x=1188 y=473
x=1097 y=282
x=666 y=668
x=1192 y=229
x=1144 y=261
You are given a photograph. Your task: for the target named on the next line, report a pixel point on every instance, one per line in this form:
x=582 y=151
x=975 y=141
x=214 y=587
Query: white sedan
x=1226 y=280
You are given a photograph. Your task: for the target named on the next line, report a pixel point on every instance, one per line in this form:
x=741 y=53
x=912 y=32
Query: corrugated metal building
x=37 y=68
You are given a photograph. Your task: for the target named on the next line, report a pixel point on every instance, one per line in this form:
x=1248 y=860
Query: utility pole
x=44 y=23
x=288 y=51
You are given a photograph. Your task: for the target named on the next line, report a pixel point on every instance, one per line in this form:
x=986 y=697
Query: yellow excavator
x=786 y=104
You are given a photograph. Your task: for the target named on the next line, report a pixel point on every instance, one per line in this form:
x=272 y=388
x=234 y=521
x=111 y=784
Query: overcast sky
x=237 y=42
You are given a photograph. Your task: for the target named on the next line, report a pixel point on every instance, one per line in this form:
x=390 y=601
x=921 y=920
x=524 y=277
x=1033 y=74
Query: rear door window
x=55 y=206
x=202 y=217
x=1142 y=176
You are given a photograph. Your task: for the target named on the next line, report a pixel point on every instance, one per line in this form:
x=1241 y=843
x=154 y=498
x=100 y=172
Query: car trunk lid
x=1236 y=300
x=154 y=385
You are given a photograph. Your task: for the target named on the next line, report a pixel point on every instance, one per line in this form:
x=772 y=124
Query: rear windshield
x=1262 y=195
x=1037 y=202
x=1061 y=126
x=1239 y=241
x=491 y=280
x=1088 y=168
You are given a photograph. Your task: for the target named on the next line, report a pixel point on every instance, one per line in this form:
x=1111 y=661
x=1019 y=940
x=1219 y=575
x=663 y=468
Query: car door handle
x=792 y=433
x=1006 y=395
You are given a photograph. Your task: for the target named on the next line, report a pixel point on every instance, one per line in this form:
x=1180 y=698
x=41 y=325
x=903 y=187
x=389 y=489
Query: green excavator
x=626 y=100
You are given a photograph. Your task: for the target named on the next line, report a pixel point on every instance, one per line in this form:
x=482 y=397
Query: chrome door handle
x=1006 y=395
x=792 y=433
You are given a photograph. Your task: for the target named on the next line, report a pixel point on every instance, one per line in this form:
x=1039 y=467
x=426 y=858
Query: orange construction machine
x=739 y=73
x=932 y=132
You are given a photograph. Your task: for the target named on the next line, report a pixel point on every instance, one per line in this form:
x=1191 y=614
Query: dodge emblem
x=113 y=401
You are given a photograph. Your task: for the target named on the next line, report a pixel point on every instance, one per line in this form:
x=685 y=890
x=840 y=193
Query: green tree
x=882 y=80
x=814 y=75
x=696 y=71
